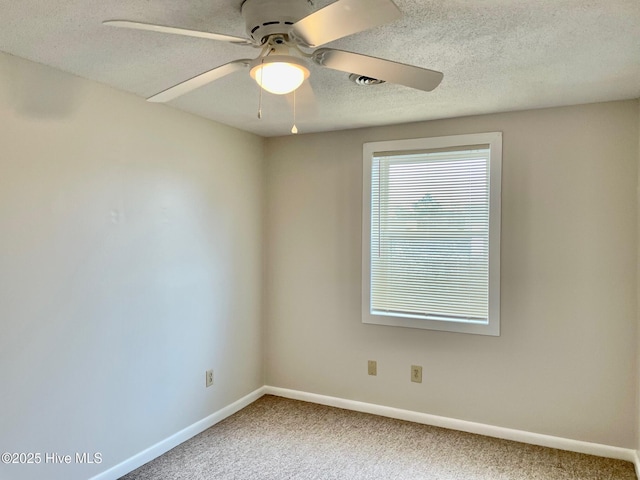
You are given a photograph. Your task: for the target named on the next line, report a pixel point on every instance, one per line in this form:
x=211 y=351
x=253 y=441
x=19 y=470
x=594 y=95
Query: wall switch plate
x=372 y=368
x=209 y=378
x=416 y=373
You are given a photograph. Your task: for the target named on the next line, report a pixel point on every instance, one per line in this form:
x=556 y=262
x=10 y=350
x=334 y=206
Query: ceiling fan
x=283 y=30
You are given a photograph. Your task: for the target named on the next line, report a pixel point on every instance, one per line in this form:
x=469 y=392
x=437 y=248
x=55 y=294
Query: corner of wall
x=637 y=462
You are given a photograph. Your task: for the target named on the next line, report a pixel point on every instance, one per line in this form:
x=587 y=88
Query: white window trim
x=494 y=140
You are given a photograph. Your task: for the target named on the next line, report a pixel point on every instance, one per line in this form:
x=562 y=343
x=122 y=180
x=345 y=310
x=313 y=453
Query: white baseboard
x=465 y=426
x=176 y=439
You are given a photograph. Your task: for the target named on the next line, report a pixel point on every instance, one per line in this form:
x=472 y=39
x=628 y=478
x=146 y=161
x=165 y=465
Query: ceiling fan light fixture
x=279 y=74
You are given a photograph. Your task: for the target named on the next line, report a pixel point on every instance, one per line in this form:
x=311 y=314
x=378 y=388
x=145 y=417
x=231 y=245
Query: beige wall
x=130 y=262
x=565 y=363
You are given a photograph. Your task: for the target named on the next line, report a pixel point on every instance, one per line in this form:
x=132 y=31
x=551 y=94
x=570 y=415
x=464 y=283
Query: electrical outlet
x=373 y=367
x=209 y=378
x=416 y=373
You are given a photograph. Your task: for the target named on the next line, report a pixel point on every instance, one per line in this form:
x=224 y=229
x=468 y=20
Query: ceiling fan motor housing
x=269 y=17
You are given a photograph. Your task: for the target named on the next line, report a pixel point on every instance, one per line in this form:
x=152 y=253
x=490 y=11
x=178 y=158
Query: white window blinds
x=429 y=251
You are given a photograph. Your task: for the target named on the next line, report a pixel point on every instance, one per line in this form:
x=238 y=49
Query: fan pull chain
x=294 y=129
x=260 y=101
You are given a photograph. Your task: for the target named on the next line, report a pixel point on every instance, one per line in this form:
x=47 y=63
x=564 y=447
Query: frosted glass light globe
x=279 y=75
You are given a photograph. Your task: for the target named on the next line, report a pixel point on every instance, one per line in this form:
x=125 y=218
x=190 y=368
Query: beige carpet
x=279 y=439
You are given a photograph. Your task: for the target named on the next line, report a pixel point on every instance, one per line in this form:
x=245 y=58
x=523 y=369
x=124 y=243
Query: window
x=431 y=233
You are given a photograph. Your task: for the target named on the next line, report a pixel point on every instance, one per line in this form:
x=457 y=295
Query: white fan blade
x=392 y=72
x=177 y=31
x=342 y=18
x=199 y=81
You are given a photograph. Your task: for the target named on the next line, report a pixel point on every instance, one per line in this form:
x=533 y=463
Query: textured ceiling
x=496 y=55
